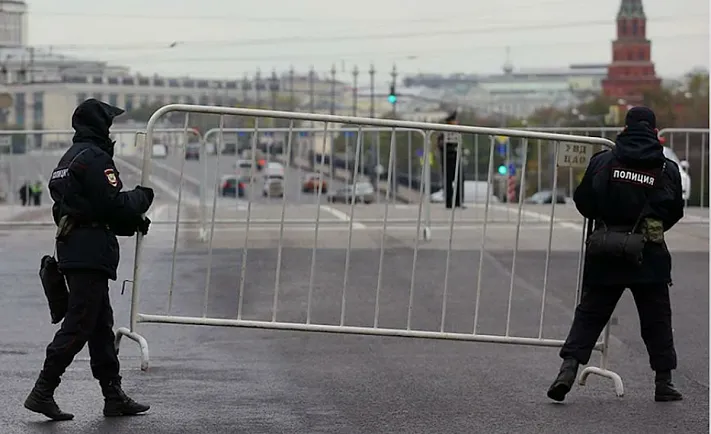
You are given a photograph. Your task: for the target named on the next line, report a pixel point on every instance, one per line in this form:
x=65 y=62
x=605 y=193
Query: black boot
x=41 y=400
x=564 y=381
x=116 y=403
x=664 y=390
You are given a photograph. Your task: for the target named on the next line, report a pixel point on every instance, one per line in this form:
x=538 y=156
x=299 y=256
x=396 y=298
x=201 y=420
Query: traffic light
x=392 y=97
x=502 y=169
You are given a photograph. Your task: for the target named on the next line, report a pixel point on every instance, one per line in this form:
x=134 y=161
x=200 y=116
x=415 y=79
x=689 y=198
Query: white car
x=683 y=170
x=160 y=151
x=474 y=192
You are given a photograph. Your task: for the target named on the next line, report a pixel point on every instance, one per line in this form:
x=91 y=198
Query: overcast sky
x=220 y=38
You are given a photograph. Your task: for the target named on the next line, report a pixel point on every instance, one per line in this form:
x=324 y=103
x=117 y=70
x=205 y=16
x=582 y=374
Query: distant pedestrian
x=24 y=193
x=448 y=143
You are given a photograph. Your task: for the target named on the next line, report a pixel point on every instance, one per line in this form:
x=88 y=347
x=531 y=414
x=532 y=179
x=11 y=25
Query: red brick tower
x=631 y=71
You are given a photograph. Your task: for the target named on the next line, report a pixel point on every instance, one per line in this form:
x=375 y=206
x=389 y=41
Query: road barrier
x=366 y=318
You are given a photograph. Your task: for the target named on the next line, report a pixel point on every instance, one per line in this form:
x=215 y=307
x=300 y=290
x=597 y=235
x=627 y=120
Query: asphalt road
x=207 y=379
x=194 y=171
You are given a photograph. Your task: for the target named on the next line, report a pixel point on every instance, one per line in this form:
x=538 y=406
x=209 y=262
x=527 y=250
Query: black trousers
x=449 y=159
x=89 y=319
x=595 y=310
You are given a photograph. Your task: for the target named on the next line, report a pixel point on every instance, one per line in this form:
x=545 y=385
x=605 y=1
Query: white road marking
x=342 y=216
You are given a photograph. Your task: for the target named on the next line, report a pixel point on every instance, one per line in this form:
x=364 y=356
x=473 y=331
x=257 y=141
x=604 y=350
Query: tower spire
x=631 y=9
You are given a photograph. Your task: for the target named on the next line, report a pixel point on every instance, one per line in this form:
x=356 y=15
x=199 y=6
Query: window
x=159 y=82
x=158 y=99
x=218 y=100
x=128 y=81
x=189 y=83
x=20 y=106
x=38 y=109
x=143 y=81
x=113 y=99
x=144 y=100
x=175 y=99
x=641 y=54
x=74 y=79
x=113 y=80
x=231 y=85
x=204 y=100
x=635 y=28
x=189 y=100
x=81 y=97
x=246 y=85
x=173 y=83
x=623 y=28
x=202 y=84
x=97 y=80
x=97 y=95
x=128 y=106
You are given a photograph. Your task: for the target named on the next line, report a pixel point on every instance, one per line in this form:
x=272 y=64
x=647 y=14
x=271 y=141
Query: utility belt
x=67 y=224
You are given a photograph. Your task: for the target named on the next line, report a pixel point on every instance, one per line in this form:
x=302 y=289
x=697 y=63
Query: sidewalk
x=18 y=213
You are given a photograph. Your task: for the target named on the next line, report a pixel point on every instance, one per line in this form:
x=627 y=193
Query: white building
x=514 y=93
x=46 y=86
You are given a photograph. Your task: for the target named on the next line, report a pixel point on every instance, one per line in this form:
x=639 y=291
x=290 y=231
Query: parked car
x=311 y=183
x=192 y=151
x=474 y=192
x=273 y=187
x=362 y=193
x=160 y=150
x=232 y=186
x=546 y=196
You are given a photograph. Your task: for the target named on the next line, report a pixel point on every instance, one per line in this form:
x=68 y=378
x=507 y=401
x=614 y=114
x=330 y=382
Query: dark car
x=232 y=186
x=546 y=197
x=364 y=193
x=192 y=151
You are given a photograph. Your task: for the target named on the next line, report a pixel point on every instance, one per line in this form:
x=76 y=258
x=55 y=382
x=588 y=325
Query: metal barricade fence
x=383 y=305
x=689 y=148
x=31 y=155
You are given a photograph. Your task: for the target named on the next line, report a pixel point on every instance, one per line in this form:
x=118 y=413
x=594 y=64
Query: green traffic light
x=392 y=99
x=502 y=170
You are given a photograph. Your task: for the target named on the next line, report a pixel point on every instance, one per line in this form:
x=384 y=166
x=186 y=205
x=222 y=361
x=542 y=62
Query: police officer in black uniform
x=90 y=210
x=448 y=159
x=630 y=189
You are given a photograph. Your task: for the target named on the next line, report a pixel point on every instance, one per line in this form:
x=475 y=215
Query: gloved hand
x=143 y=225
x=148 y=192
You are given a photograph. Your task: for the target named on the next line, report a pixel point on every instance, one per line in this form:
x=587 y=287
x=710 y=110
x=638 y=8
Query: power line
x=399 y=55
x=362 y=37
x=244 y=18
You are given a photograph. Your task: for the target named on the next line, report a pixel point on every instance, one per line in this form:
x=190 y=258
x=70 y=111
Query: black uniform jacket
x=86 y=186
x=614 y=190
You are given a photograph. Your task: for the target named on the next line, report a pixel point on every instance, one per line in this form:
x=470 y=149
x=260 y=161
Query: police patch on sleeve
x=111 y=177
x=634 y=177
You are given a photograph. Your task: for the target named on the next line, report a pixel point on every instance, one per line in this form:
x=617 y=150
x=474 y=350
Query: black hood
x=638 y=145
x=91 y=122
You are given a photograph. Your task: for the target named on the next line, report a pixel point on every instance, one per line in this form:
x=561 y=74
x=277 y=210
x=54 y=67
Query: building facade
x=631 y=71
x=516 y=93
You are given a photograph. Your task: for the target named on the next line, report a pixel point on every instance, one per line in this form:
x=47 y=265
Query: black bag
x=55 y=288
x=625 y=245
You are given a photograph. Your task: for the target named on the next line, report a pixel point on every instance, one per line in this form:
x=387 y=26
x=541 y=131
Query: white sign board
x=574 y=154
